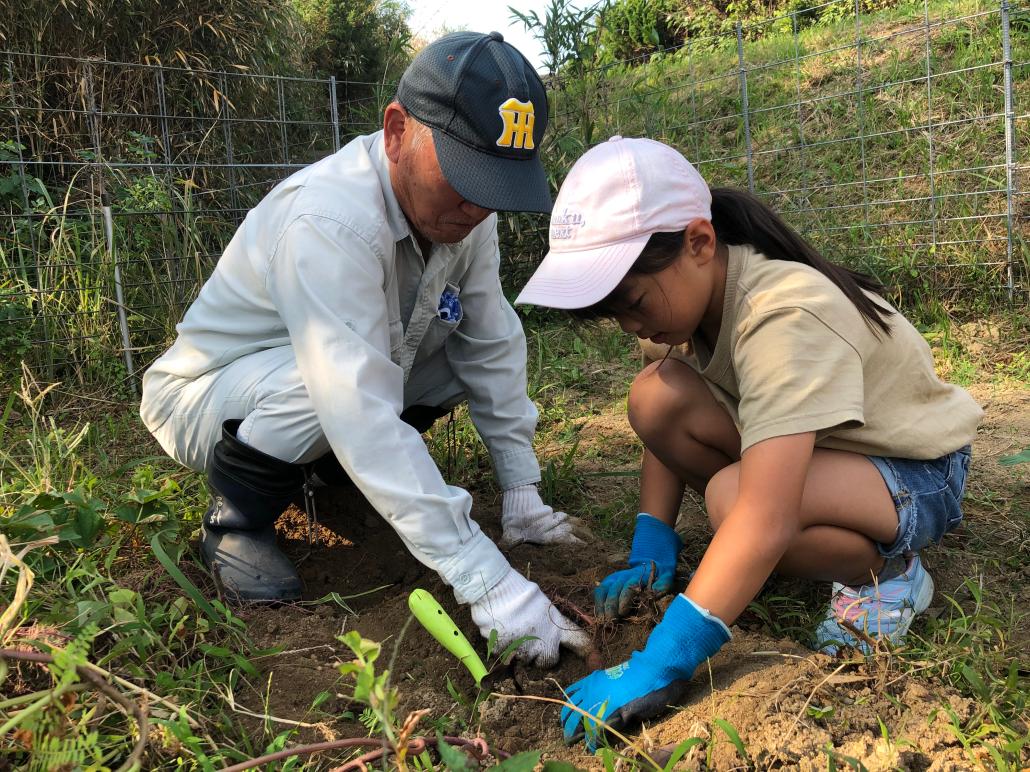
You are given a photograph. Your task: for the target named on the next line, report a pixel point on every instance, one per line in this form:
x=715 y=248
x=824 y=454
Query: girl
x=807 y=413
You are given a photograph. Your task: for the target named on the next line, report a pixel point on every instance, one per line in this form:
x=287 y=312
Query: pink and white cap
x=615 y=196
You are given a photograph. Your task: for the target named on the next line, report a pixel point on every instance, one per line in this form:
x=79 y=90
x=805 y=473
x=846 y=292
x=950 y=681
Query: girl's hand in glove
x=517 y=607
x=527 y=519
x=652 y=679
x=652 y=565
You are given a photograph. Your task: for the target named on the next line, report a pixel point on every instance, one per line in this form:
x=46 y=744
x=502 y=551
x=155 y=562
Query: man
x=357 y=303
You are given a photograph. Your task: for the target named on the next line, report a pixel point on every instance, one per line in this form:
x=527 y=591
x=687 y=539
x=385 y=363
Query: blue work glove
x=652 y=679
x=652 y=563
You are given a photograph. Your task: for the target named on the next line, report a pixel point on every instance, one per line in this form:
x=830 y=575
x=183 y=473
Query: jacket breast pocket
x=435 y=338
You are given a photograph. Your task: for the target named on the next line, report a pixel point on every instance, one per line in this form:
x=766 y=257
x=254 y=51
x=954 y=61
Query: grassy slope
x=843 y=137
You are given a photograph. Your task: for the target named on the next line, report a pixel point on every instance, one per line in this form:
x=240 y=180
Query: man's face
x=433 y=208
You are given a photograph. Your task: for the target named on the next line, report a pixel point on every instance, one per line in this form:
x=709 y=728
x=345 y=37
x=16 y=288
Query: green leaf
x=451 y=757
x=46 y=501
x=680 y=751
x=511 y=648
x=727 y=727
x=137 y=514
x=320 y=698
x=88 y=524
x=28 y=524
x=455 y=694
x=975 y=681
x=180 y=579
x=244 y=665
x=520 y=762
x=1023 y=457
x=215 y=651
x=819 y=711
x=364 y=649
x=560 y=766
x=122 y=596
x=364 y=684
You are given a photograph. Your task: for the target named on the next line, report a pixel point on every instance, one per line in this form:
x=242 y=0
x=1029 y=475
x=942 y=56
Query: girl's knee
x=721 y=494
x=661 y=392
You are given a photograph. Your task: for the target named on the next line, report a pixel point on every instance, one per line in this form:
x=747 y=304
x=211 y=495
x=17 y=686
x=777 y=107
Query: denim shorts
x=927 y=495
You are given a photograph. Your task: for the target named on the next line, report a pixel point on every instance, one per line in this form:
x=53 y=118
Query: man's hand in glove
x=517 y=607
x=527 y=519
x=652 y=565
x=652 y=679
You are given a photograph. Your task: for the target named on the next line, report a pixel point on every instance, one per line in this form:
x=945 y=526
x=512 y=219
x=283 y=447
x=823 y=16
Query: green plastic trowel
x=442 y=627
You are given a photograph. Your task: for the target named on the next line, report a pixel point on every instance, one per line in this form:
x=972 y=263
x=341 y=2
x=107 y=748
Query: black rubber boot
x=249 y=490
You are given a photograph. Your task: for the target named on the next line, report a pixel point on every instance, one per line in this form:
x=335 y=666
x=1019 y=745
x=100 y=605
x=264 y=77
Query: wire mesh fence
x=121 y=183
x=892 y=142
x=896 y=143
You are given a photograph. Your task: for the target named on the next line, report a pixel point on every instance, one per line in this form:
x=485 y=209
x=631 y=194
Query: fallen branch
x=193 y=720
x=811 y=695
x=416 y=745
x=91 y=674
x=872 y=643
x=601 y=722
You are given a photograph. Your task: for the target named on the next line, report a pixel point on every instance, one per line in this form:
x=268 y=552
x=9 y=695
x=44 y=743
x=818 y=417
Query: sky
x=430 y=17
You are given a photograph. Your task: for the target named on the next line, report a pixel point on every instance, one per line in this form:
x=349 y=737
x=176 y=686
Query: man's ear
x=700 y=240
x=394 y=122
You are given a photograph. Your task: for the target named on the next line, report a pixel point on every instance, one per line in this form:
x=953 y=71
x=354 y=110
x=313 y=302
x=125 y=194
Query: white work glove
x=526 y=518
x=517 y=607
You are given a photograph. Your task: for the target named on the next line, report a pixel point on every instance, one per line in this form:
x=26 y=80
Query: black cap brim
x=492 y=181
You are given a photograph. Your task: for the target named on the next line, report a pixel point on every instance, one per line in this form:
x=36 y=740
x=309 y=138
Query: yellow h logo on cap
x=518 y=120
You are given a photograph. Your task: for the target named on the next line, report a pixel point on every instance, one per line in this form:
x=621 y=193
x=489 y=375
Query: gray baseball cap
x=487 y=109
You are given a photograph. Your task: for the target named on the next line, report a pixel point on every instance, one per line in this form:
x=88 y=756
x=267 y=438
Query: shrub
x=635 y=29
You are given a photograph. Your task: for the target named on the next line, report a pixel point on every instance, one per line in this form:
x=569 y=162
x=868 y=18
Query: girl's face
x=668 y=307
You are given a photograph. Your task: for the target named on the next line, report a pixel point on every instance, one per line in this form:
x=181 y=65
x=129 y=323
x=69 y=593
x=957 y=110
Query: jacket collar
x=394 y=214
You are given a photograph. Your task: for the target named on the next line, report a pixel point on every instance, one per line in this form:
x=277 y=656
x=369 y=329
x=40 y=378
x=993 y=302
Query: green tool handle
x=439 y=624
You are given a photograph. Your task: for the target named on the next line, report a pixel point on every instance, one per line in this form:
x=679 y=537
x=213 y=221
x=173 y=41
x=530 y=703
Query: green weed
x=971 y=649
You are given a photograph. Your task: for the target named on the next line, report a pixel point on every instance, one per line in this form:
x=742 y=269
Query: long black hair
x=739 y=217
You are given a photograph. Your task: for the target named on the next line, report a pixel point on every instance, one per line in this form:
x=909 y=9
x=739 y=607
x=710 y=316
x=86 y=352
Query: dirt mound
x=788 y=703
x=790 y=708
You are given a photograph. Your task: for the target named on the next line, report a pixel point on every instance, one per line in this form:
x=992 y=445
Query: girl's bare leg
x=846 y=508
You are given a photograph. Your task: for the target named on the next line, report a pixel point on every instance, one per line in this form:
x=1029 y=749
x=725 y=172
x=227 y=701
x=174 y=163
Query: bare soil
x=788 y=705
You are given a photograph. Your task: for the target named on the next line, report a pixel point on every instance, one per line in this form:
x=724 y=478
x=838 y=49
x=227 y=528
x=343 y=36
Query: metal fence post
x=27 y=210
x=334 y=111
x=1010 y=131
x=801 y=116
x=860 y=96
x=123 y=322
x=694 y=128
x=282 y=119
x=166 y=147
x=166 y=137
x=744 y=109
x=105 y=204
x=223 y=109
x=929 y=130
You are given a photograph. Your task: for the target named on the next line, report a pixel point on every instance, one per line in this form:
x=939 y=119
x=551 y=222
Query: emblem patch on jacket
x=450 y=307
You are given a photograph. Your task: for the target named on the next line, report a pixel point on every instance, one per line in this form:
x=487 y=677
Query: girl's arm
x=759 y=527
x=748 y=544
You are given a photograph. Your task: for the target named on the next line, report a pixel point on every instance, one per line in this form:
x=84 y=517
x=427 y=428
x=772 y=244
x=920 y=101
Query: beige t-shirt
x=794 y=355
